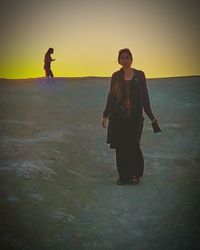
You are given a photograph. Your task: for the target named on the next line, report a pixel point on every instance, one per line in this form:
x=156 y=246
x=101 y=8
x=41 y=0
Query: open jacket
x=112 y=101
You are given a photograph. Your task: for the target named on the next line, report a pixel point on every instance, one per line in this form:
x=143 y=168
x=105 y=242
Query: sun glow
x=86 y=38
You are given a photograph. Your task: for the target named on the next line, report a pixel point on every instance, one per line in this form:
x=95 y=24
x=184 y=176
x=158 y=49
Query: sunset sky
x=164 y=36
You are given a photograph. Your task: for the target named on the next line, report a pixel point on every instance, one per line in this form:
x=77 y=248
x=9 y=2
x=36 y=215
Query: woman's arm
x=51 y=59
x=110 y=98
x=109 y=103
x=48 y=59
x=146 y=101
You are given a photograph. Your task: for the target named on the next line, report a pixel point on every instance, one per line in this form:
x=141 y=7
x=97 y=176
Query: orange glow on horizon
x=87 y=37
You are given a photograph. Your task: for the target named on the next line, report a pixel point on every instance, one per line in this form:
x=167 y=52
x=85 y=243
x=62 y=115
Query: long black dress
x=126 y=123
x=129 y=158
x=126 y=118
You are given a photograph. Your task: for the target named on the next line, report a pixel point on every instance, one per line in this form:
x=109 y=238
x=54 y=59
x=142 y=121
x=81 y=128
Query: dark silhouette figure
x=47 y=63
x=127 y=98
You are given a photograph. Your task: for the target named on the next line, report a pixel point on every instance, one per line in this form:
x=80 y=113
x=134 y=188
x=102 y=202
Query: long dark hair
x=117 y=87
x=49 y=51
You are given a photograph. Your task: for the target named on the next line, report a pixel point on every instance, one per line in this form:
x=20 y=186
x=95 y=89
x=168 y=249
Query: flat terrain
x=58 y=176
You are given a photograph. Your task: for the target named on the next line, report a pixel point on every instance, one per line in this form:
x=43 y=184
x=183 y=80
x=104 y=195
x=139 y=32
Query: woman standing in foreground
x=47 y=62
x=127 y=98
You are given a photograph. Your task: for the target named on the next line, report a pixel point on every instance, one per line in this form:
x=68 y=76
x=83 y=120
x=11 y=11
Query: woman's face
x=125 y=60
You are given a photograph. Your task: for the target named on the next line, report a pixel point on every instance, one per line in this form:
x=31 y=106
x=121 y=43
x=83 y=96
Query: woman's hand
x=154 y=120
x=104 y=122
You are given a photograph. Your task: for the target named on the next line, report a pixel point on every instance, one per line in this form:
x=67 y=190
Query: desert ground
x=58 y=176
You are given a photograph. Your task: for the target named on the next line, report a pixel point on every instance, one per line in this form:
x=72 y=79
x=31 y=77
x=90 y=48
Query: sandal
x=135 y=180
x=120 y=182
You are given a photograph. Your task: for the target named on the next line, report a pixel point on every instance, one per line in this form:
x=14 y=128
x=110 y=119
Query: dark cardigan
x=112 y=101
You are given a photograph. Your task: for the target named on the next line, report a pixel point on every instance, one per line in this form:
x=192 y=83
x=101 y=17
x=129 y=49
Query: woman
x=47 y=63
x=127 y=98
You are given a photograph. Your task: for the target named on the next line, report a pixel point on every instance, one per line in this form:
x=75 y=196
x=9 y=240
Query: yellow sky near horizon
x=86 y=34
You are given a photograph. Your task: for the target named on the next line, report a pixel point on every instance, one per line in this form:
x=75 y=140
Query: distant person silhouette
x=47 y=63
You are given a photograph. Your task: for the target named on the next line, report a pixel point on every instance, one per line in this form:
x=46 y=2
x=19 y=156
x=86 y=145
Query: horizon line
x=82 y=77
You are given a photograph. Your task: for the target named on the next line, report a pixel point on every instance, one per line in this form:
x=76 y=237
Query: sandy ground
x=58 y=176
